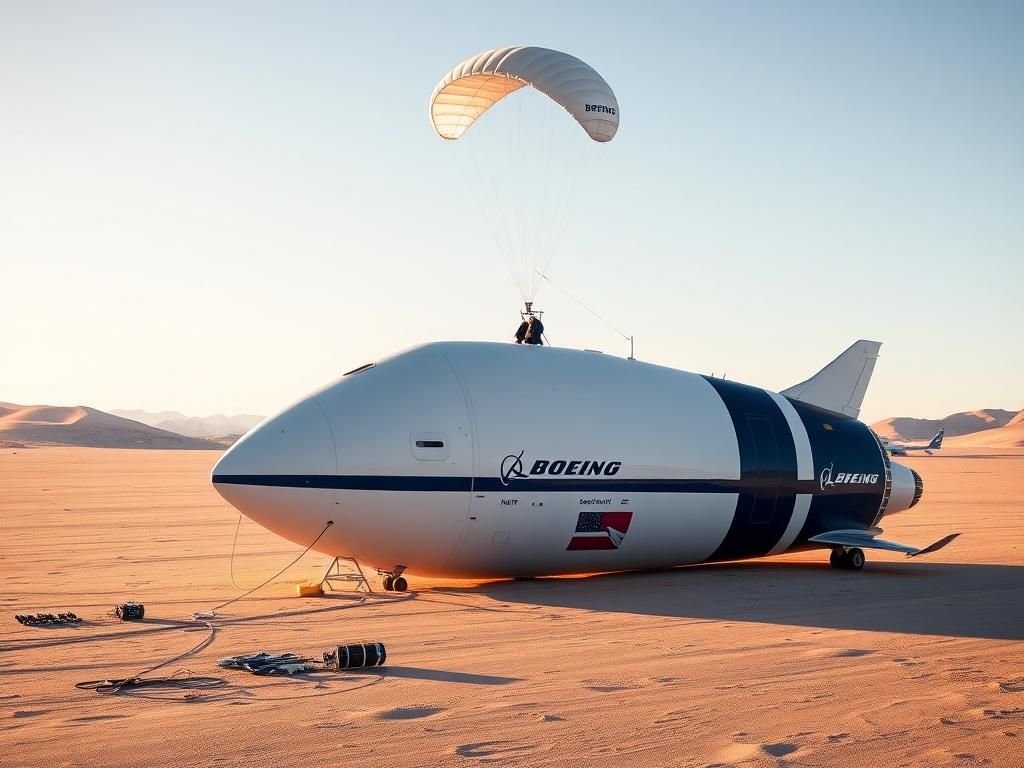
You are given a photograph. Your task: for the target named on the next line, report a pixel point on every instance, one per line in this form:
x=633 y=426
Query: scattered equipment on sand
x=263 y=663
x=355 y=656
x=130 y=611
x=339 y=658
x=182 y=679
x=336 y=574
x=47 y=619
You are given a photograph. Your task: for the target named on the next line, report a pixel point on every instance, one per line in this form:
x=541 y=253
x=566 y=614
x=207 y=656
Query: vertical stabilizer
x=840 y=385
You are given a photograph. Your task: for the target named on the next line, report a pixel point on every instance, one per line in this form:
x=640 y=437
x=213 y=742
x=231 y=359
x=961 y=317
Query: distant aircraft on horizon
x=898 y=449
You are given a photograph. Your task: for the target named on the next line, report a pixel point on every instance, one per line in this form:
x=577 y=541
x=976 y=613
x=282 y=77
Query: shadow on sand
x=419 y=673
x=957 y=600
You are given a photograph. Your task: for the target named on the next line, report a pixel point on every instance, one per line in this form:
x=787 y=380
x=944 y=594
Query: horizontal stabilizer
x=868 y=540
x=840 y=385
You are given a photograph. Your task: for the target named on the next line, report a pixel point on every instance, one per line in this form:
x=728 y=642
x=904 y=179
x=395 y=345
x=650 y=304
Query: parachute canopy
x=478 y=83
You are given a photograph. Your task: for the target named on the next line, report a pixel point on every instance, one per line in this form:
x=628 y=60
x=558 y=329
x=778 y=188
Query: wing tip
x=934 y=547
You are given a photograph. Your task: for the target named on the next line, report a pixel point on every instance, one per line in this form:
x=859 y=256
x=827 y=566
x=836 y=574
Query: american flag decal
x=600 y=530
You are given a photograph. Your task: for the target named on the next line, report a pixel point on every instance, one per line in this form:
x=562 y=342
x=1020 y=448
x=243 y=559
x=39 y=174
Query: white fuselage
x=424 y=460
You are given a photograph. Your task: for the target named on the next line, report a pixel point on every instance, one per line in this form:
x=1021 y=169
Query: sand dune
x=1010 y=436
x=773 y=662
x=6 y=408
x=83 y=426
x=41 y=416
x=966 y=422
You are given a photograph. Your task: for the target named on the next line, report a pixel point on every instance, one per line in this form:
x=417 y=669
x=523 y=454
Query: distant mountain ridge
x=956 y=424
x=217 y=425
x=79 y=425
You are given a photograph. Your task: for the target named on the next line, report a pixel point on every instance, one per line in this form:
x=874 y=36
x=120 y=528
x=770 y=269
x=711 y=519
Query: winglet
x=934 y=547
x=840 y=385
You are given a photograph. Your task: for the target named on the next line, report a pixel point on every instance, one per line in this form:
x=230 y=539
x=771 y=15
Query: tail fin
x=840 y=385
x=937 y=440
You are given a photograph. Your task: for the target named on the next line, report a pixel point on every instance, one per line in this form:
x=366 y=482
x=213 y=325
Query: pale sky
x=218 y=207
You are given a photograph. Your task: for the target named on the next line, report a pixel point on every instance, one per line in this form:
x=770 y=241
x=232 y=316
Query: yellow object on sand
x=310 y=590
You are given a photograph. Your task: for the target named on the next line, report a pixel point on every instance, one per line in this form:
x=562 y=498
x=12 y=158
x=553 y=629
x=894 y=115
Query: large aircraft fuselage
x=472 y=459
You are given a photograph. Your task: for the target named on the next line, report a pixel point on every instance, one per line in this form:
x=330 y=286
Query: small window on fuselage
x=430 y=446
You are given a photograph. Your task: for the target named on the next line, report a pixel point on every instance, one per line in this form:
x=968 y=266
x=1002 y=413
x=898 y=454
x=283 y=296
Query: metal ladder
x=336 y=574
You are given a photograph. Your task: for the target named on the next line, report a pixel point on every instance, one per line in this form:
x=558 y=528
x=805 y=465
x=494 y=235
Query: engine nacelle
x=907 y=487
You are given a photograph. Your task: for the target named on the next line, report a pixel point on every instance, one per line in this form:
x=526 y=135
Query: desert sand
x=780 y=661
x=1009 y=436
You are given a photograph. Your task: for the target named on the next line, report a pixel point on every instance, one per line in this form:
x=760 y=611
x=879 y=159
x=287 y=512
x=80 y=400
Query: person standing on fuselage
x=534 y=331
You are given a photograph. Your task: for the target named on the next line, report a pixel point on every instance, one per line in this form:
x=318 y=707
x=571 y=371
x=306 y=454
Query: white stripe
x=804 y=458
x=800 y=507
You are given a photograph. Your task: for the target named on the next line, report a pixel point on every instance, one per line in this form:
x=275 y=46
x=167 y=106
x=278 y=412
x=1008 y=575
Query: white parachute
x=530 y=170
x=480 y=82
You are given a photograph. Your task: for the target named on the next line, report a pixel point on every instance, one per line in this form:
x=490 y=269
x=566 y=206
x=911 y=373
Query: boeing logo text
x=845 y=478
x=576 y=467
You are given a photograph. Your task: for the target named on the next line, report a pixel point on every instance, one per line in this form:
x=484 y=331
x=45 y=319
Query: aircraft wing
x=867 y=540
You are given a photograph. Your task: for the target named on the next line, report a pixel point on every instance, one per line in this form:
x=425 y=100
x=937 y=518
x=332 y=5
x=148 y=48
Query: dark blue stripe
x=845 y=445
x=768 y=481
x=610 y=485
x=352 y=482
x=482 y=484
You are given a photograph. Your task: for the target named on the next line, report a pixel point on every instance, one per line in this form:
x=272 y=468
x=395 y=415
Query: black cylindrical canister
x=355 y=656
x=130 y=611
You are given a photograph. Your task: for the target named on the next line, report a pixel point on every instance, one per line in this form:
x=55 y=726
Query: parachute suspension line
x=582 y=180
x=516 y=195
x=560 y=204
x=542 y=216
x=493 y=170
x=488 y=196
x=591 y=311
x=552 y=193
x=531 y=217
x=518 y=154
x=541 y=194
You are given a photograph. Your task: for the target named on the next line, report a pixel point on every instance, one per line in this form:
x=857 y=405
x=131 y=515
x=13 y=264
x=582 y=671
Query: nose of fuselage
x=273 y=473
x=296 y=442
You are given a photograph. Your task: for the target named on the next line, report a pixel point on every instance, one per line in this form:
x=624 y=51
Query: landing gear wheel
x=835 y=559
x=389 y=583
x=855 y=559
x=401 y=585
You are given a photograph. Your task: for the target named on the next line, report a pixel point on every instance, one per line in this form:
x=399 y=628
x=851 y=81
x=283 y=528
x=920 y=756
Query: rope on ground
x=234 y=542
x=180 y=679
x=212 y=613
x=183 y=678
